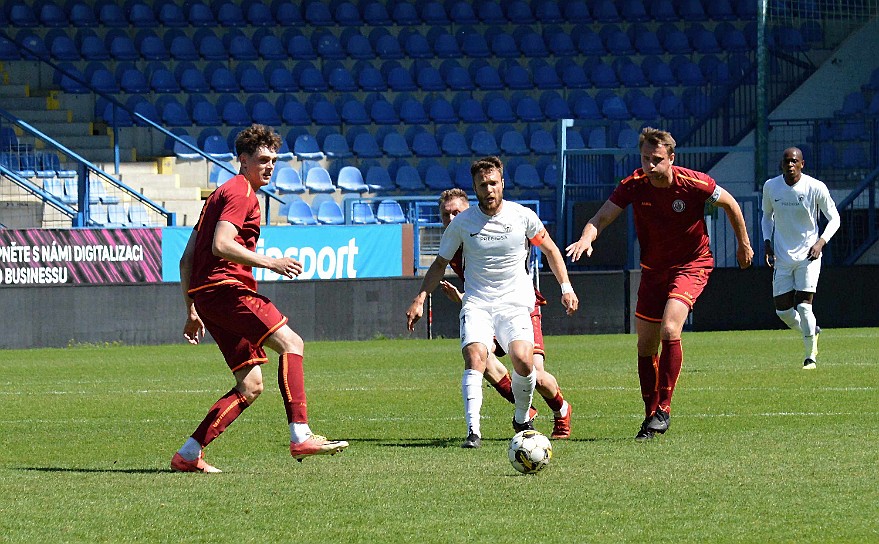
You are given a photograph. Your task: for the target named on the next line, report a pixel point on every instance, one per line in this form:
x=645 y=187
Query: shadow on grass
x=446 y=442
x=98 y=470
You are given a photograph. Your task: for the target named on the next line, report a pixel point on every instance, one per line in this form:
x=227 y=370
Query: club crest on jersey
x=678 y=205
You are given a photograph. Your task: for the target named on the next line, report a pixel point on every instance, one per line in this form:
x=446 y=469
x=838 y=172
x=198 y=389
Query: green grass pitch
x=758 y=451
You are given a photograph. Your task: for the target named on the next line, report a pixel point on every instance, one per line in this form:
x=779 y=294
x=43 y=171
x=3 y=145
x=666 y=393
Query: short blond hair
x=654 y=136
x=449 y=194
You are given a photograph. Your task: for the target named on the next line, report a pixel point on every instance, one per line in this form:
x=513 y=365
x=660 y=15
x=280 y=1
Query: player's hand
x=815 y=250
x=770 y=259
x=578 y=248
x=287 y=267
x=745 y=255
x=451 y=292
x=413 y=314
x=570 y=302
x=193 y=329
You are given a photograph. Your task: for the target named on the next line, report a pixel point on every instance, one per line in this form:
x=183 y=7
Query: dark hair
x=657 y=137
x=449 y=194
x=486 y=163
x=254 y=137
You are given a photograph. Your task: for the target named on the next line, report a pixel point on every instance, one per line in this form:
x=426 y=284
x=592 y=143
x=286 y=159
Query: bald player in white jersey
x=793 y=246
x=499 y=298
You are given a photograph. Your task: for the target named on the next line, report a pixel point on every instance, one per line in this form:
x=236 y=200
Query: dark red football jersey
x=670 y=222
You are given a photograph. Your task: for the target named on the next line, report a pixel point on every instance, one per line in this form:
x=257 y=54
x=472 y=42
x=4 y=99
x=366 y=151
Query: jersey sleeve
x=450 y=242
x=235 y=208
x=767 y=222
x=622 y=194
x=533 y=226
x=828 y=208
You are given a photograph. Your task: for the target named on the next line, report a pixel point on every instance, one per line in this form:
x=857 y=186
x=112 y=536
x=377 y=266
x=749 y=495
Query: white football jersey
x=790 y=216
x=495 y=250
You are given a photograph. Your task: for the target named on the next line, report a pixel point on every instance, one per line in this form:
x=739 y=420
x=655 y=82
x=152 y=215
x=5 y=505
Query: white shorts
x=506 y=322
x=798 y=276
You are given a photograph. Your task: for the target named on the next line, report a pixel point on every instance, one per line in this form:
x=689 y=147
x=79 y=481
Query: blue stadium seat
x=658 y=72
x=424 y=145
x=336 y=147
x=229 y=14
x=487 y=78
x=141 y=15
x=605 y=11
x=574 y=139
x=306 y=148
x=318 y=14
x=498 y=109
x=692 y=10
x=629 y=74
x=61 y=46
x=671 y=107
x=687 y=72
x=405 y=14
x=516 y=76
x=526 y=177
x=280 y=79
x=720 y=10
x=173 y=113
x=329 y=213
x=441 y=111
x=548 y=12
x=490 y=13
x=503 y=45
x=437 y=178
x=603 y=76
x=483 y=143
x=577 y=12
x=317 y=180
x=240 y=48
x=445 y=45
x=544 y=75
x=98 y=192
x=410 y=110
x=528 y=110
x=559 y=42
x=573 y=76
x=613 y=107
x=170 y=15
x=294 y=113
x=703 y=40
x=433 y=13
x=462 y=13
x=674 y=40
x=376 y=14
x=111 y=15
x=213 y=144
x=299 y=48
x=616 y=41
x=513 y=143
x=287 y=181
x=250 y=79
x=390 y=211
x=200 y=14
x=455 y=145
x=408 y=179
x=854 y=155
x=382 y=113
x=362 y=214
x=387 y=47
x=81 y=15
x=541 y=142
x=183 y=48
x=646 y=41
x=474 y=45
x=350 y=180
x=731 y=39
x=259 y=14
x=641 y=106
x=121 y=47
x=366 y=147
x=300 y=213
x=395 y=145
x=470 y=110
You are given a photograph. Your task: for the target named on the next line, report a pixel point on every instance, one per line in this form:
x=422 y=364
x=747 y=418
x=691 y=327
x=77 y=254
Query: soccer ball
x=530 y=452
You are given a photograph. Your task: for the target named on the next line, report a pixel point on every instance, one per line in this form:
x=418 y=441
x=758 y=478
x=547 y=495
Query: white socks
x=807 y=323
x=523 y=393
x=471 y=392
x=190 y=449
x=299 y=432
x=791 y=318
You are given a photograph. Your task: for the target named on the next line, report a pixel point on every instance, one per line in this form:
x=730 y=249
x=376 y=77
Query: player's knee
x=251 y=390
x=285 y=340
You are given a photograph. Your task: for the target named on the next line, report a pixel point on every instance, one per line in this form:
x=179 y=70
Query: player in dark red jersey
x=219 y=292
x=668 y=203
x=451 y=203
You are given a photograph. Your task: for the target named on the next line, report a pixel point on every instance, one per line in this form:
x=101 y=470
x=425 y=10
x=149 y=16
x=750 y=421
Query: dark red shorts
x=239 y=320
x=658 y=286
x=536 y=321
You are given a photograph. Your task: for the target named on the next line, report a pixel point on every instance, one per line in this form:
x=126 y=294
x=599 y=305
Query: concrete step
x=14 y=90
x=187 y=211
x=26 y=103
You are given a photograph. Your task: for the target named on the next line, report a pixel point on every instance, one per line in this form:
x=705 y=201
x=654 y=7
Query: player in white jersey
x=499 y=298
x=793 y=246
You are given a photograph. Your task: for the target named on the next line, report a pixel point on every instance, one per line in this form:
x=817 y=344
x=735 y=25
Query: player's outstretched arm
x=430 y=281
x=744 y=252
x=560 y=271
x=602 y=218
x=193 y=328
